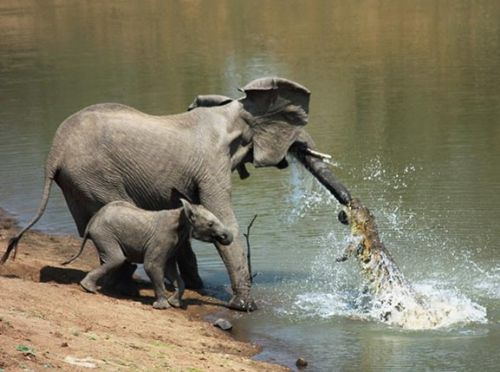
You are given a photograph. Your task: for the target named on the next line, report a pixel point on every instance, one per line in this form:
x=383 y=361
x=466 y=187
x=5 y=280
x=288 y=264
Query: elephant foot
x=161 y=304
x=175 y=301
x=88 y=285
x=241 y=303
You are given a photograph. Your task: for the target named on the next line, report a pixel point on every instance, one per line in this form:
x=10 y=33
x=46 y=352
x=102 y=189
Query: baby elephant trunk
x=213 y=234
x=225 y=237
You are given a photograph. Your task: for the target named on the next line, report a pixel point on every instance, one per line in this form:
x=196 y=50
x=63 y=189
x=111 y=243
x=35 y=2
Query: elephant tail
x=85 y=238
x=12 y=246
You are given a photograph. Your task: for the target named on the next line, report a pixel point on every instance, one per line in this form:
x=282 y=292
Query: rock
x=223 y=324
x=301 y=363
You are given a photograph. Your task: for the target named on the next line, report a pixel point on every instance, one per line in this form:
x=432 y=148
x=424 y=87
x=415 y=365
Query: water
x=405 y=96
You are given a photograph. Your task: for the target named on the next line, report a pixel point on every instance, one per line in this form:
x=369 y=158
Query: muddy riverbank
x=47 y=321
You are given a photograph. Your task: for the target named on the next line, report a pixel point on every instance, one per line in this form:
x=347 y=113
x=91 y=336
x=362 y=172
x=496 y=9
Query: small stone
x=301 y=363
x=223 y=324
x=64 y=344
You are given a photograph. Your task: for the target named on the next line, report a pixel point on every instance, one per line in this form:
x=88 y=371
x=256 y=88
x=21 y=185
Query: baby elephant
x=123 y=232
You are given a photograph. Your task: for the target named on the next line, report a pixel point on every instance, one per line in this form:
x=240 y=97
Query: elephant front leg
x=233 y=255
x=235 y=260
x=154 y=267
x=173 y=275
x=188 y=266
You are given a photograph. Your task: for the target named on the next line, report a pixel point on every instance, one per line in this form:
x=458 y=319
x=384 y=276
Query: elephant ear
x=279 y=109
x=209 y=100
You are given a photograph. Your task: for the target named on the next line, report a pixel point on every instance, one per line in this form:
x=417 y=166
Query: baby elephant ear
x=188 y=209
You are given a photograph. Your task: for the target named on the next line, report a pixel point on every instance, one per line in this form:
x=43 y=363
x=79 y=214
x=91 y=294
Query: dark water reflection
x=406 y=95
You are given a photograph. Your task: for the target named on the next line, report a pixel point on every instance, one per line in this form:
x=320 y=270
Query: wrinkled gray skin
x=110 y=152
x=122 y=232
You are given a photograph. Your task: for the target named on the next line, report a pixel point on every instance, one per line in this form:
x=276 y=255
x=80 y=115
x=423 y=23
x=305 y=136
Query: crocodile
x=394 y=297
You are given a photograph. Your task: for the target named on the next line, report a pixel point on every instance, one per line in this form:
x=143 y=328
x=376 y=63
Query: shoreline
x=47 y=321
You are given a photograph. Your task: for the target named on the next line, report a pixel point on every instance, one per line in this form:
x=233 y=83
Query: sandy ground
x=48 y=322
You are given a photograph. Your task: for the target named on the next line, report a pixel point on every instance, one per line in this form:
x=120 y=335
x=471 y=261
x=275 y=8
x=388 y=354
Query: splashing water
x=424 y=305
x=307 y=194
x=385 y=295
x=397 y=302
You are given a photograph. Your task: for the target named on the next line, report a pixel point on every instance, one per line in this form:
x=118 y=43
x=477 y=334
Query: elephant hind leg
x=82 y=209
x=120 y=281
x=111 y=257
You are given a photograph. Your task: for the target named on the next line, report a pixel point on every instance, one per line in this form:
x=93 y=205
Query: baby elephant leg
x=111 y=257
x=121 y=281
x=188 y=266
x=154 y=267
x=173 y=275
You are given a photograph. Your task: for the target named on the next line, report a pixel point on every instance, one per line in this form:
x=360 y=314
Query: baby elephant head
x=205 y=226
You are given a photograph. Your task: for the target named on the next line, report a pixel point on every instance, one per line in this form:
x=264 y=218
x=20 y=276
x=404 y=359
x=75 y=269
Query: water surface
x=405 y=95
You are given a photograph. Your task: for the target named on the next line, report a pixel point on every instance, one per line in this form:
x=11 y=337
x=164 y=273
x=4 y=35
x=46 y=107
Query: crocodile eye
x=342 y=217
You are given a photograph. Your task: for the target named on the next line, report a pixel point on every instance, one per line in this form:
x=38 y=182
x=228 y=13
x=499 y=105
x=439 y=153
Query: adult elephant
x=110 y=152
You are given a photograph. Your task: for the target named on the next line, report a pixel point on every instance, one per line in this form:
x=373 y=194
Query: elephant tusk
x=325 y=158
x=318 y=154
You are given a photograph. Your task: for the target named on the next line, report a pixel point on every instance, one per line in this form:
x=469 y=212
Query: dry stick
x=247 y=238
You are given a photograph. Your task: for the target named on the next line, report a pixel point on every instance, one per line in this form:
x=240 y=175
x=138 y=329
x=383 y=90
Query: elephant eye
x=210 y=224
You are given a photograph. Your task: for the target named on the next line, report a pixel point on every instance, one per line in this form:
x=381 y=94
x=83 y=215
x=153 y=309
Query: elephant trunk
x=321 y=170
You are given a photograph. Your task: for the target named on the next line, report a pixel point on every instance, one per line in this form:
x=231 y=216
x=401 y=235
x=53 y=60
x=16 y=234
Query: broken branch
x=247 y=238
